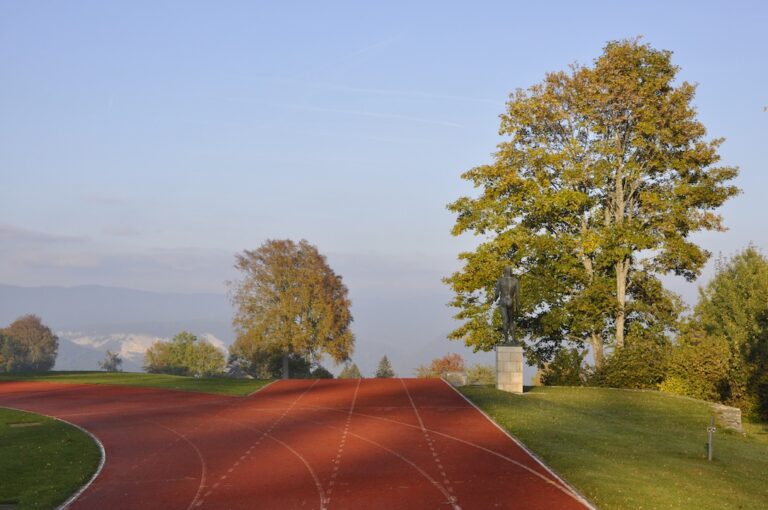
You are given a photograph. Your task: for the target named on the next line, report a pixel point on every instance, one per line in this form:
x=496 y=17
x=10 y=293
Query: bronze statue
x=508 y=294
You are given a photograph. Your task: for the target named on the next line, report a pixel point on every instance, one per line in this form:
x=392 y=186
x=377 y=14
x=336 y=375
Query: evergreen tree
x=350 y=371
x=385 y=368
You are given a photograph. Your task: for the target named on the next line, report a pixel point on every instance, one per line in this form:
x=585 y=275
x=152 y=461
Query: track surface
x=322 y=444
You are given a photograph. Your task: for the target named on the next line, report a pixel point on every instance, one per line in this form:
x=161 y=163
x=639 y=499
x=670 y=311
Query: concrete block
x=509 y=368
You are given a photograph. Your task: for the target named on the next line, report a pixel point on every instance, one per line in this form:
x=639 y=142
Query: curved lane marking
x=288 y=447
x=574 y=493
x=266 y=433
x=423 y=473
x=203 y=468
x=556 y=482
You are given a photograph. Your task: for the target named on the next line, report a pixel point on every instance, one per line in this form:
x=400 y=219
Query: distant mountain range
x=91 y=319
x=410 y=328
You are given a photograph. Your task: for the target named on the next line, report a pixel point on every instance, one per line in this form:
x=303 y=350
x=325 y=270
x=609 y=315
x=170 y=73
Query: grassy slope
x=630 y=450
x=223 y=385
x=41 y=466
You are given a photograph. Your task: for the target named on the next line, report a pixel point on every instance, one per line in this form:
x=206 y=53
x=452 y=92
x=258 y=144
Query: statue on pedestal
x=508 y=294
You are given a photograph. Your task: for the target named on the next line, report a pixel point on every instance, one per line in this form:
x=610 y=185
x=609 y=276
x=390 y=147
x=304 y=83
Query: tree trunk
x=597 y=349
x=286 y=374
x=621 y=297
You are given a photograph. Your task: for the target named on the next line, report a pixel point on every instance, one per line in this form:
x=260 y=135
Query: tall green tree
x=290 y=302
x=384 y=370
x=723 y=351
x=605 y=175
x=28 y=344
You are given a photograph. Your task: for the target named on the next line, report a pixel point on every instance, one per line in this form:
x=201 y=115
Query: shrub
x=640 y=364
x=760 y=388
x=262 y=363
x=481 y=374
x=424 y=372
x=566 y=369
x=698 y=367
x=320 y=372
x=185 y=354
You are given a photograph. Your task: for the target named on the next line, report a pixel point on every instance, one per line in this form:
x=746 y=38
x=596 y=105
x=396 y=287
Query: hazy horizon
x=143 y=145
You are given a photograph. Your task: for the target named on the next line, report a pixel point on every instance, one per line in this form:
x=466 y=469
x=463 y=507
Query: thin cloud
x=377 y=115
x=104 y=199
x=120 y=231
x=407 y=93
x=10 y=234
x=374 y=46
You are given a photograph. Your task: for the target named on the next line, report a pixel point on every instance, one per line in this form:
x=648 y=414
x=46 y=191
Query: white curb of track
x=95 y=439
x=576 y=494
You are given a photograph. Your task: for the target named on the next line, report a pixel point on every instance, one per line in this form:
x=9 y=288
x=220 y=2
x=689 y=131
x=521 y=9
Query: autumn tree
x=184 y=354
x=289 y=303
x=604 y=176
x=28 y=344
x=439 y=366
x=384 y=370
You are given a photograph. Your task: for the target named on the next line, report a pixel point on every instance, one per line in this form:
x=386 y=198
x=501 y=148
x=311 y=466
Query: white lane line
x=423 y=473
x=267 y=434
x=573 y=492
x=563 y=486
x=435 y=457
x=285 y=445
x=203 y=468
x=259 y=389
x=340 y=451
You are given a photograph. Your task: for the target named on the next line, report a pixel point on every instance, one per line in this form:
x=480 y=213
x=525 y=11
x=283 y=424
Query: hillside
x=634 y=449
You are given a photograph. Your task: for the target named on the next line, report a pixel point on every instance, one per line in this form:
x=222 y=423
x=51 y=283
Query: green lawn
x=635 y=450
x=222 y=385
x=43 y=463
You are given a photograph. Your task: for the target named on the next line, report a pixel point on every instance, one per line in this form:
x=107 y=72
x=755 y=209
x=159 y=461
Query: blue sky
x=142 y=144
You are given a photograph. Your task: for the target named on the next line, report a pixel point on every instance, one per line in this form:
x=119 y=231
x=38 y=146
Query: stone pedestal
x=509 y=368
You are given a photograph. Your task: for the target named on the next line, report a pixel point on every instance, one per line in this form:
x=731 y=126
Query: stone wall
x=728 y=417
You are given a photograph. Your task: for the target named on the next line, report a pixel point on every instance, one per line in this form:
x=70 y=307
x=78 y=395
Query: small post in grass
x=710 y=432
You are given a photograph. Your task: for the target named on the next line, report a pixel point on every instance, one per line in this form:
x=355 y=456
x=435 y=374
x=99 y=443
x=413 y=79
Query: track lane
x=328 y=444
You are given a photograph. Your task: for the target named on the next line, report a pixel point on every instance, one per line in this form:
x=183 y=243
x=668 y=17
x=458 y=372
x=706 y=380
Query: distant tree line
x=27 y=345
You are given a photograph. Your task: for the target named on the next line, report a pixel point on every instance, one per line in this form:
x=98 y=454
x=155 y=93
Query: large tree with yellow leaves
x=290 y=303
x=605 y=175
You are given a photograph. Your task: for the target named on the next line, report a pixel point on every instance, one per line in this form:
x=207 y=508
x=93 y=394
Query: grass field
x=635 y=450
x=42 y=460
x=221 y=385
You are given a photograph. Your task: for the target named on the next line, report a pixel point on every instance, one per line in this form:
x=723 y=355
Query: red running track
x=324 y=444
